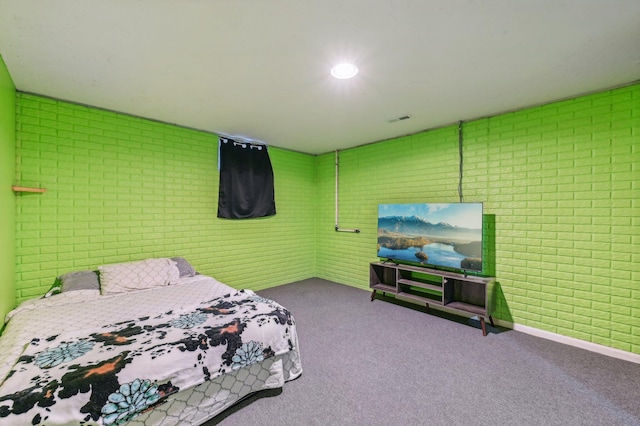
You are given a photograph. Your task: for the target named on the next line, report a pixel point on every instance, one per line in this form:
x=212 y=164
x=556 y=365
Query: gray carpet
x=380 y=363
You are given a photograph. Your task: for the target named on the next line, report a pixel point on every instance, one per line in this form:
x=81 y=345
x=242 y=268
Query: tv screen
x=447 y=235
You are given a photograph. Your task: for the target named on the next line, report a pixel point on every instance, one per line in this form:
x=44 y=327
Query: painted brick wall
x=561 y=192
x=559 y=183
x=7 y=197
x=410 y=169
x=122 y=188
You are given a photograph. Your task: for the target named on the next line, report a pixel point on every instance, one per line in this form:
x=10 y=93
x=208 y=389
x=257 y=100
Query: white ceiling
x=259 y=69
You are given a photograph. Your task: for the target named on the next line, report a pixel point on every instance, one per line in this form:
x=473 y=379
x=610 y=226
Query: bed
x=178 y=352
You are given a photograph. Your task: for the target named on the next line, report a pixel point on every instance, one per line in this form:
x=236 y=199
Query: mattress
x=42 y=319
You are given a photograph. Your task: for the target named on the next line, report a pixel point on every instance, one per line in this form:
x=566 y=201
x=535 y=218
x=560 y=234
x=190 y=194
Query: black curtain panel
x=246 y=181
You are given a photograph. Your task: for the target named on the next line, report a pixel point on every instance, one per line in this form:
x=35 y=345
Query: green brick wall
x=559 y=185
x=7 y=197
x=409 y=169
x=561 y=194
x=122 y=188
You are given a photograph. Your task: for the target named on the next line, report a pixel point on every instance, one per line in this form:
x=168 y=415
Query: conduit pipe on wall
x=460 y=164
x=337 y=227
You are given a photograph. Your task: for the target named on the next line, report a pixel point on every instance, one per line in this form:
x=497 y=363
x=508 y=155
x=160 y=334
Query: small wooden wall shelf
x=27 y=189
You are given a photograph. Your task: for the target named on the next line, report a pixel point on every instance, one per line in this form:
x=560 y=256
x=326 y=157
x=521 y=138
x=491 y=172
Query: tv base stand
x=462 y=293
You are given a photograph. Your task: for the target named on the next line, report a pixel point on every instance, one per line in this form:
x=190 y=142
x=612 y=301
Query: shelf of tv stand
x=385 y=288
x=457 y=292
x=418 y=298
x=420 y=284
x=467 y=307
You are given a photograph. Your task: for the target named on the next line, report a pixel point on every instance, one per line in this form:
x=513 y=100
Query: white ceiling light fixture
x=344 y=71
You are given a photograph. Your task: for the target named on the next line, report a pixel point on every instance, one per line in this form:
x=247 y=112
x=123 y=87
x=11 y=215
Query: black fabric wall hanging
x=246 y=181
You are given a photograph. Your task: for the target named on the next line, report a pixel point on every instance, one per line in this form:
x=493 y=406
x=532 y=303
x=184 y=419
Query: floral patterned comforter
x=110 y=374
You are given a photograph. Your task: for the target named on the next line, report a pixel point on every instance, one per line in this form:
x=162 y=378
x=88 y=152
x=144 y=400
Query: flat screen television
x=445 y=235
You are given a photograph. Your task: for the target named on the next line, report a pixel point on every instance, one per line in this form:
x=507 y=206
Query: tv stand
x=462 y=293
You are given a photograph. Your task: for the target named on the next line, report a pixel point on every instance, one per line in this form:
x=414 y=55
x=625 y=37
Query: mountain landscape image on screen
x=415 y=238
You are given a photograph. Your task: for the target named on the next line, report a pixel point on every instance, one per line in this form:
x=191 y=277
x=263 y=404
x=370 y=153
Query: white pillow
x=148 y=273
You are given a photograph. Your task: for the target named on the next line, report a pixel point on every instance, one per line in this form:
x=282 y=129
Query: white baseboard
x=593 y=347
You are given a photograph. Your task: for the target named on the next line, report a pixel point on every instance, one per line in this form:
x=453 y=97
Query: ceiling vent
x=401 y=118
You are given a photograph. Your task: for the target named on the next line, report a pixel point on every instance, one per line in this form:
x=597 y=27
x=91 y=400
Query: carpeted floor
x=379 y=363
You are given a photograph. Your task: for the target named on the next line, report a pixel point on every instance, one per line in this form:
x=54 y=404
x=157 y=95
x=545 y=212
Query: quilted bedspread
x=107 y=375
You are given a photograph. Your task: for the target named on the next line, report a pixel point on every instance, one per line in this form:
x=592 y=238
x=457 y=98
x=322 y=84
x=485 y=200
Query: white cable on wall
x=337 y=226
x=461 y=161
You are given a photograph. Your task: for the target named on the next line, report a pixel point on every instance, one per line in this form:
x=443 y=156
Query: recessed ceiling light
x=344 y=70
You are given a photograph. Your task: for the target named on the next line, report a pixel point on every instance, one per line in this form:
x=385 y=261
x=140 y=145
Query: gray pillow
x=185 y=268
x=79 y=280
